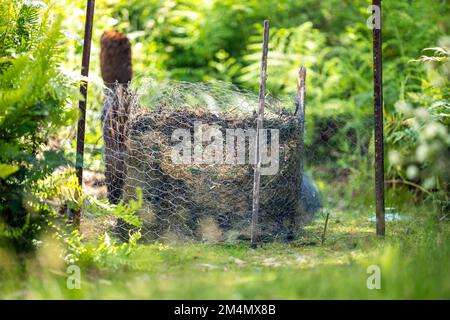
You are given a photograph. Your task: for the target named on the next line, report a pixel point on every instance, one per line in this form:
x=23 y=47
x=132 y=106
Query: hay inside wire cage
x=208 y=200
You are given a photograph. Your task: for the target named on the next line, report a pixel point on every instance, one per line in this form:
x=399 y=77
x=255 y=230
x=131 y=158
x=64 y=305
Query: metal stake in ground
x=83 y=90
x=259 y=127
x=378 y=116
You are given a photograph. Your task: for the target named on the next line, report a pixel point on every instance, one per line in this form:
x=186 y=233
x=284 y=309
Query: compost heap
x=209 y=201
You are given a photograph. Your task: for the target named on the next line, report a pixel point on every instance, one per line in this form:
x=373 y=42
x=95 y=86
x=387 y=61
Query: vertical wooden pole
x=82 y=103
x=301 y=96
x=259 y=127
x=300 y=113
x=378 y=117
x=324 y=233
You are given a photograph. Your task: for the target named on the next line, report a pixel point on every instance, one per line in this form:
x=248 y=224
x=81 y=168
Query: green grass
x=414 y=262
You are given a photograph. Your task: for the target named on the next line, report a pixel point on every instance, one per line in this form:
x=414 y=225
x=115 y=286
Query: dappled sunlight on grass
x=413 y=262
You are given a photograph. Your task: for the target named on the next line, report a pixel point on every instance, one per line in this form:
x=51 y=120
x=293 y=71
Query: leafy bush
x=198 y=40
x=417 y=132
x=33 y=96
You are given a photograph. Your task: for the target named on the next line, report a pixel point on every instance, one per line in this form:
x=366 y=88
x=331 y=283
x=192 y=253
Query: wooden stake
x=325 y=228
x=378 y=118
x=259 y=127
x=301 y=96
x=300 y=113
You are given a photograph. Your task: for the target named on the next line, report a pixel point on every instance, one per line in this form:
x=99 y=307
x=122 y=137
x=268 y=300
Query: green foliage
x=203 y=40
x=61 y=190
x=18 y=24
x=413 y=259
x=107 y=252
x=7 y=170
x=33 y=94
x=418 y=132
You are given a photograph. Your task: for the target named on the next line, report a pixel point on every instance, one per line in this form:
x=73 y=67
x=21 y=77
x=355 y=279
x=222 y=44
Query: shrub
x=33 y=106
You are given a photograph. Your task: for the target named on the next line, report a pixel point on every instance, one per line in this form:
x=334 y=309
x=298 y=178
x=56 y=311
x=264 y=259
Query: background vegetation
x=199 y=40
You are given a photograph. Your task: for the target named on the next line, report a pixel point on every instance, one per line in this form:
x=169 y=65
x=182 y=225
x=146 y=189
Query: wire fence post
x=82 y=103
x=378 y=116
x=300 y=113
x=259 y=127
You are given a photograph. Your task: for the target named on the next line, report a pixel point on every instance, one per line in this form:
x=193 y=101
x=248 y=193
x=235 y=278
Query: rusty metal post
x=83 y=88
x=378 y=116
x=259 y=127
x=82 y=103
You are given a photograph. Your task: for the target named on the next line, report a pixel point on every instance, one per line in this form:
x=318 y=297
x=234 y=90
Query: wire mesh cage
x=190 y=149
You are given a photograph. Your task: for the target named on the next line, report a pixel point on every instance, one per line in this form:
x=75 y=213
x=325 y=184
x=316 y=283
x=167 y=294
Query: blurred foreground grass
x=413 y=258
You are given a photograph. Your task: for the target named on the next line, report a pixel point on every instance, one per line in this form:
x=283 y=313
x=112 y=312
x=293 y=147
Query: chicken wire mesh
x=190 y=149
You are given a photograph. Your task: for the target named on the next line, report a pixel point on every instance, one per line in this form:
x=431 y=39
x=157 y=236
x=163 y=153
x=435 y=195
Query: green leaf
x=7 y=170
